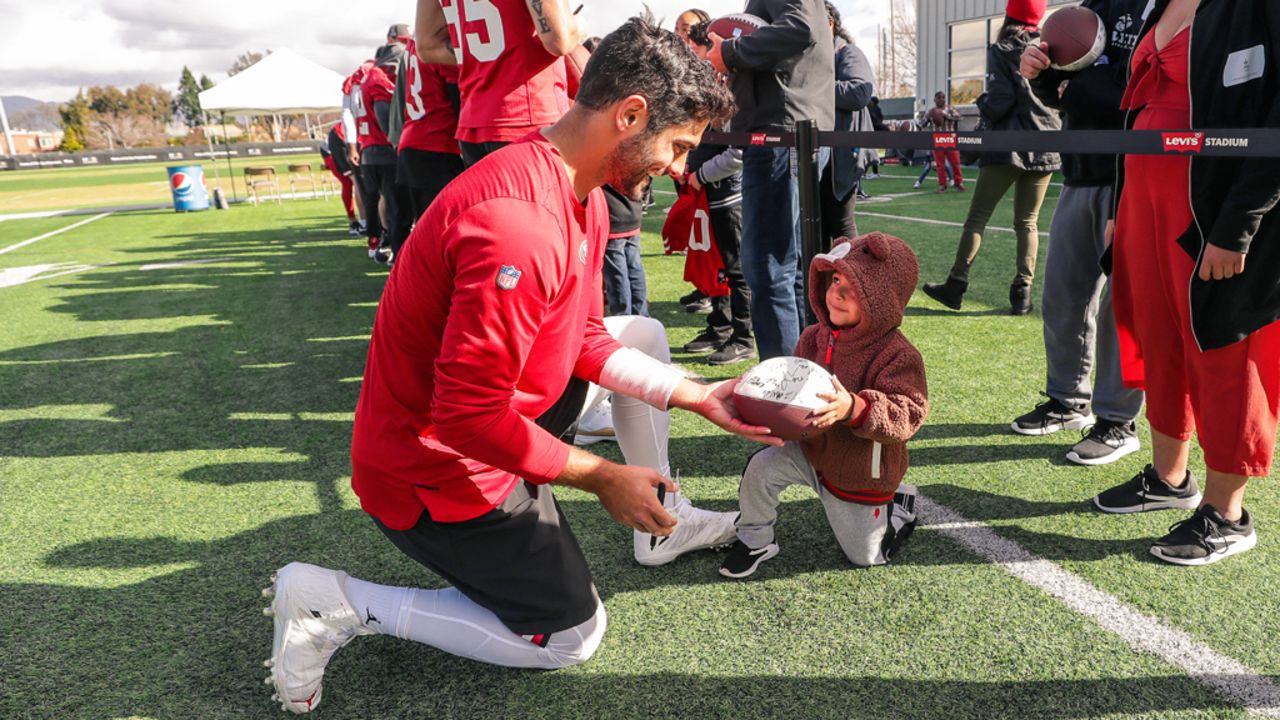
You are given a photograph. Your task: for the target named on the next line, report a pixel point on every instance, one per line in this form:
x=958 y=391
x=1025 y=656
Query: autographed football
x=781 y=394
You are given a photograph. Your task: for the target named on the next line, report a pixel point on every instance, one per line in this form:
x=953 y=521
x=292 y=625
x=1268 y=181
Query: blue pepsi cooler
x=187 y=184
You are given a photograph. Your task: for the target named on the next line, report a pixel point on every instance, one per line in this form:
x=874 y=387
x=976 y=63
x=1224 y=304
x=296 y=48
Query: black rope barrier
x=1250 y=142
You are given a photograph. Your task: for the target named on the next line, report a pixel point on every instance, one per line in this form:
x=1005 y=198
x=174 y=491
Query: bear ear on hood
x=879 y=246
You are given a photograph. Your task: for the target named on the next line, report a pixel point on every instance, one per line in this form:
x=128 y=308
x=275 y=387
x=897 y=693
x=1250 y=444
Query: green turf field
x=171 y=434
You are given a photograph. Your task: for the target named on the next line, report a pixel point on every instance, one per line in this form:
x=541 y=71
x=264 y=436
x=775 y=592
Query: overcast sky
x=49 y=48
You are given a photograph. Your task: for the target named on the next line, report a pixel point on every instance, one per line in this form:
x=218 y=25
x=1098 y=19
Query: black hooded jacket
x=1234 y=83
x=1009 y=104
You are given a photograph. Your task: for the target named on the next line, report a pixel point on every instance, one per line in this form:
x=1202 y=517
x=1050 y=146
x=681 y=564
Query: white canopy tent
x=282 y=83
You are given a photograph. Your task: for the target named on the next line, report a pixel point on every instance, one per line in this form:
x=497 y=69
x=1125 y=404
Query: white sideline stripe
x=51 y=233
x=928 y=221
x=1231 y=679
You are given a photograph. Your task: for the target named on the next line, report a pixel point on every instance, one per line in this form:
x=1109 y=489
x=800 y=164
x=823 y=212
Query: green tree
x=205 y=82
x=74 y=118
x=186 y=104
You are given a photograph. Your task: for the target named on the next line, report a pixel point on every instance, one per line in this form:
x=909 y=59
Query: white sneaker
x=313 y=618
x=916 y=186
x=696 y=530
x=597 y=425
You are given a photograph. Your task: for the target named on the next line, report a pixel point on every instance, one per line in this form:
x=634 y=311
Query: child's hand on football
x=839 y=405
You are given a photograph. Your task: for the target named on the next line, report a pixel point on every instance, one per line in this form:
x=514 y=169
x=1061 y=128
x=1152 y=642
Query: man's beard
x=628 y=168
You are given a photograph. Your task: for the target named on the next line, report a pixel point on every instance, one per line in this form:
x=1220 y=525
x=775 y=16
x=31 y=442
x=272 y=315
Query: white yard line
x=928 y=221
x=50 y=234
x=1234 y=681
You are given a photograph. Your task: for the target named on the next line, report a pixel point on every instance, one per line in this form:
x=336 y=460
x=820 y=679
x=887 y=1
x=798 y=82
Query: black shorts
x=520 y=561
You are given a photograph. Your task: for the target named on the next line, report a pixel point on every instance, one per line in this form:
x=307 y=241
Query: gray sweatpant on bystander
x=1076 y=307
x=859 y=529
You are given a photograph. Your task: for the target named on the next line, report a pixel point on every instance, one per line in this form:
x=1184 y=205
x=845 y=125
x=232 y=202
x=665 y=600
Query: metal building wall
x=932 y=19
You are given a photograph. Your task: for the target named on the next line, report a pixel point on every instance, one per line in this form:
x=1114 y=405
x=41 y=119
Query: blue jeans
x=771 y=246
x=625 y=289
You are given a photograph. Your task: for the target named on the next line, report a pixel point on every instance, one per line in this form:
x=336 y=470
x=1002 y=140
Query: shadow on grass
x=189 y=644
x=251 y=352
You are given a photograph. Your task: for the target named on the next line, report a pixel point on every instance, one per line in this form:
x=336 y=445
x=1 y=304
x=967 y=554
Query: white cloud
x=53 y=47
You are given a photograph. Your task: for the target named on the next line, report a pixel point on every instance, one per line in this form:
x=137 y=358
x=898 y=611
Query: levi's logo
x=758 y=138
x=944 y=141
x=1183 y=142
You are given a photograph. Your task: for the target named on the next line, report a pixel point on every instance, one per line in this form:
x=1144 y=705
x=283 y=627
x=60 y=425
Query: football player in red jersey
x=428 y=155
x=513 y=77
x=492 y=310
x=377 y=155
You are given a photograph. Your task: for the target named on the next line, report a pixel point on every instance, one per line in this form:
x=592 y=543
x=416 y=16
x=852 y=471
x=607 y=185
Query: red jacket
x=864 y=461
x=494 y=302
x=688 y=229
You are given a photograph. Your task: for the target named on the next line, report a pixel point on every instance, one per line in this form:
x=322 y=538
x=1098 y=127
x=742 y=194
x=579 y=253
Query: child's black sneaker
x=742 y=560
x=1205 y=537
x=1049 y=417
x=1106 y=442
x=1147 y=491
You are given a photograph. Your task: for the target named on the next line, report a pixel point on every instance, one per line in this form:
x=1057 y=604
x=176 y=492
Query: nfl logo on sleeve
x=508 y=276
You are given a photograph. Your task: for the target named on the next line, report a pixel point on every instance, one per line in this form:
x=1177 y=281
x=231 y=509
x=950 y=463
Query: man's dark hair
x=642 y=59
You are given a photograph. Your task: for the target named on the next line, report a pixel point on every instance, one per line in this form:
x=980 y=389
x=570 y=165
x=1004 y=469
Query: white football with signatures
x=781 y=394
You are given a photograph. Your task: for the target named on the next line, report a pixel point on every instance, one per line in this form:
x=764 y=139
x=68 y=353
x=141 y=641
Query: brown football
x=736 y=25
x=1076 y=37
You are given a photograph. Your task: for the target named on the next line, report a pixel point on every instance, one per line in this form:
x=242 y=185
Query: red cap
x=1028 y=12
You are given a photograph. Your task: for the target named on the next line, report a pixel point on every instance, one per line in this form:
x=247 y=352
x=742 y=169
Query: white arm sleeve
x=631 y=372
x=348 y=119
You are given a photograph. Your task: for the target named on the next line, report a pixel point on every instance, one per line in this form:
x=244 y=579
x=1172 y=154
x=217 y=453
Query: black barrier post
x=810 y=212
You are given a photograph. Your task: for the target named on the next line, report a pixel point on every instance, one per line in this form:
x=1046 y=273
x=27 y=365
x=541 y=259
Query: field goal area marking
x=51 y=233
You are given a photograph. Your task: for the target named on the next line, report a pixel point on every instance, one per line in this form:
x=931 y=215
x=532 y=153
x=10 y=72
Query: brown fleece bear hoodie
x=864 y=459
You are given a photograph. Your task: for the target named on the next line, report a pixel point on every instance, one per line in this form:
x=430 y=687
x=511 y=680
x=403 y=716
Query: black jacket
x=1092 y=97
x=1232 y=198
x=1009 y=104
x=855 y=84
x=784 y=72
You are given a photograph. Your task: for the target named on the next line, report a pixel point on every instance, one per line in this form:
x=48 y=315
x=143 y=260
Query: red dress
x=1229 y=396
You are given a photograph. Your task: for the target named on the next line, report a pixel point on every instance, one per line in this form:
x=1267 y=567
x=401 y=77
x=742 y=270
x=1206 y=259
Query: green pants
x=993 y=182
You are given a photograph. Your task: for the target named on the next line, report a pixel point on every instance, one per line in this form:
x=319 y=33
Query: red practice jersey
x=376 y=87
x=510 y=84
x=430 y=122
x=688 y=228
x=494 y=302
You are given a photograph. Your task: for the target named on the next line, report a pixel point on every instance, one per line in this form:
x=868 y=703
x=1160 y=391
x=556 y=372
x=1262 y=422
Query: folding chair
x=261 y=178
x=301 y=172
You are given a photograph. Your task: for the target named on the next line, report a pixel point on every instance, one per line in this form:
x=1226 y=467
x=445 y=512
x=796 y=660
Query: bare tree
x=899 y=51
x=245 y=61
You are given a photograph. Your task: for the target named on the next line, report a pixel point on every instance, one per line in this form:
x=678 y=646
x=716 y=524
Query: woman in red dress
x=1197 y=323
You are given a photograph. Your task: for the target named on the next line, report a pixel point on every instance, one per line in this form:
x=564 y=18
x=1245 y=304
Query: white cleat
x=269 y=662
x=313 y=618
x=696 y=529
x=268 y=592
x=269 y=611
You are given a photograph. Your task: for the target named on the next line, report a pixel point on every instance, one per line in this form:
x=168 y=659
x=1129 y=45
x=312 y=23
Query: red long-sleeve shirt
x=494 y=302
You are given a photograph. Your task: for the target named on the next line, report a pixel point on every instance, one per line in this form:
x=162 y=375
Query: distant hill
x=30 y=114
